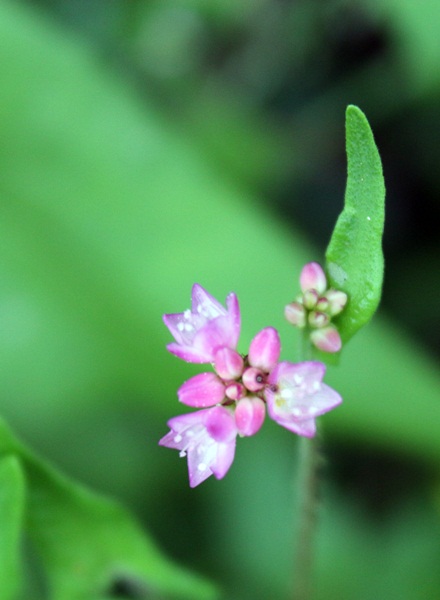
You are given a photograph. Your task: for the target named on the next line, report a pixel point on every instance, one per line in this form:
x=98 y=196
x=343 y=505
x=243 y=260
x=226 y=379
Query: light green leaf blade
x=91 y=548
x=354 y=255
x=12 y=491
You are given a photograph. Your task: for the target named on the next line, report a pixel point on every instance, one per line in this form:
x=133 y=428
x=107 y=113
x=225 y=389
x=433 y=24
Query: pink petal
x=234 y=318
x=202 y=390
x=224 y=459
x=296 y=396
x=265 y=349
x=189 y=354
x=204 y=304
x=220 y=424
x=228 y=363
x=249 y=415
x=304 y=428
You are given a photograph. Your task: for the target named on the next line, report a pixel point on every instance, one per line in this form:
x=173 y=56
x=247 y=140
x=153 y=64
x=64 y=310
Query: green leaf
x=91 y=548
x=354 y=255
x=11 y=525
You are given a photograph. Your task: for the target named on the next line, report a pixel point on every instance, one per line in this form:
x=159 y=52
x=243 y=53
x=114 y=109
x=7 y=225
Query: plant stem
x=308 y=485
x=308 y=505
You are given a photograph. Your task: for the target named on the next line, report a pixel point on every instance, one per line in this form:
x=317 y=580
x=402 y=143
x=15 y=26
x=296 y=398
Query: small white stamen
x=181 y=326
x=177 y=438
x=298 y=378
x=296 y=412
x=316 y=385
x=187 y=314
x=201 y=467
x=182 y=453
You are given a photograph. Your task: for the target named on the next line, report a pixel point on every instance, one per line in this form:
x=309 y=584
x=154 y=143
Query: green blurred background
x=146 y=145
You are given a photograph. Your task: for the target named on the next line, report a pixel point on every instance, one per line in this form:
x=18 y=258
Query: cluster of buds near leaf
x=315 y=307
x=234 y=396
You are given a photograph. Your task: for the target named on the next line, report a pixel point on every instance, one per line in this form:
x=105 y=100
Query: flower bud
x=235 y=391
x=327 y=339
x=322 y=304
x=318 y=319
x=313 y=278
x=249 y=415
x=254 y=379
x=295 y=313
x=228 y=363
x=202 y=390
x=310 y=298
x=265 y=349
x=336 y=301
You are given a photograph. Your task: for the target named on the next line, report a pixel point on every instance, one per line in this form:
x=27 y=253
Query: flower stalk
x=308 y=483
x=310 y=460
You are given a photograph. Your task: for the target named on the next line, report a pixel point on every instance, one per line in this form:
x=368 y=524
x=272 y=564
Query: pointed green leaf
x=354 y=255
x=11 y=525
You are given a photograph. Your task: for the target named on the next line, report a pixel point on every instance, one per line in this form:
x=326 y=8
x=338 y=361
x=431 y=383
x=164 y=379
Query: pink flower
x=296 y=396
x=241 y=385
x=204 y=328
x=207 y=437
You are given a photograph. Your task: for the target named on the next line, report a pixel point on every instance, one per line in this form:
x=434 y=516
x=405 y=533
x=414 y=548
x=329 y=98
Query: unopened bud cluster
x=315 y=307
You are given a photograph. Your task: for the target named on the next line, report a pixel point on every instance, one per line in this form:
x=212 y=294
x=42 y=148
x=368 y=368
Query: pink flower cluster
x=233 y=398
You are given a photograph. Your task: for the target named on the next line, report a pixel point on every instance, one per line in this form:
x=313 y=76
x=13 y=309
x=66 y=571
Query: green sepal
x=354 y=257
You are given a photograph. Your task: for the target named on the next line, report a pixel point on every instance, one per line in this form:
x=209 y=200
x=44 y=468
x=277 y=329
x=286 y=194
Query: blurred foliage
x=147 y=145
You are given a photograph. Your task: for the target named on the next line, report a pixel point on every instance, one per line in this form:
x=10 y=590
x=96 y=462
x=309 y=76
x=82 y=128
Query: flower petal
x=265 y=349
x=202 y=390
x=207 y=437
x=205 y=305
x=220 y=424
x=228 y=363
x=250 y=413
x=199 y=332
x=296 y=395
x=224 y=459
